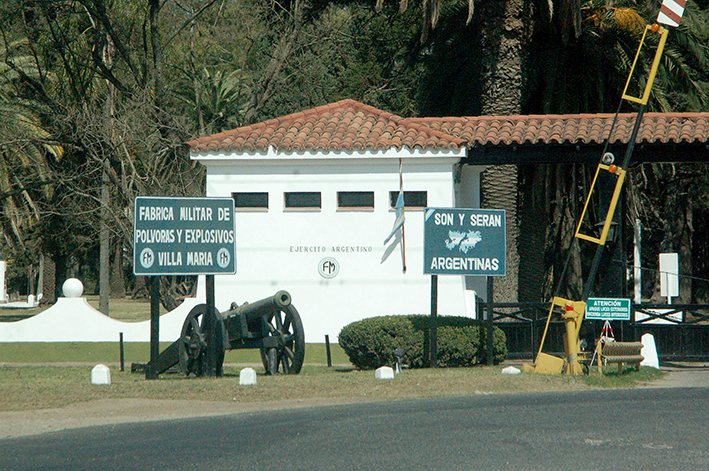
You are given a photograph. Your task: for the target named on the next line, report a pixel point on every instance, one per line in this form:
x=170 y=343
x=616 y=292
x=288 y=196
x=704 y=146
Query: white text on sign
x=477 y=220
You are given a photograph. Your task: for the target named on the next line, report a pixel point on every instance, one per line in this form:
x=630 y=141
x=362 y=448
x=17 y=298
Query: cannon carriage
x=271 y=325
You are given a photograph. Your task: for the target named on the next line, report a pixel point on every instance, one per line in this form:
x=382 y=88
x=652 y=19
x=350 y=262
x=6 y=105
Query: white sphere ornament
x=73 y=288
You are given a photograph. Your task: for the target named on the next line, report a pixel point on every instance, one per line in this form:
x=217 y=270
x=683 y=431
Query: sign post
x=471 y=242
x=182 y=236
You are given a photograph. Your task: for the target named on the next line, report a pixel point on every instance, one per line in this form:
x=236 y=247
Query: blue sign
x=465 y=242
x=184 y=236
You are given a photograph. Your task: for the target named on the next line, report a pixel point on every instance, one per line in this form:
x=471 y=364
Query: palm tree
x=25 y=170
x=24 y=147
x=506 y=57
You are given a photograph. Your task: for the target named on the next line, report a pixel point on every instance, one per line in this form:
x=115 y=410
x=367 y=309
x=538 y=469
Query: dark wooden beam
x=589 y=154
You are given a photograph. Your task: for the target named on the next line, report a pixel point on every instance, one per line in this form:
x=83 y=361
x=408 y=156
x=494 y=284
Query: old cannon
x=272 y=325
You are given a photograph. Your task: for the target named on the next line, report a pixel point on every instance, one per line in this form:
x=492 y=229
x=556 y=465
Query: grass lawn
x=40 y=383
x=39 y=387
x=126 y=309
x=138 y=352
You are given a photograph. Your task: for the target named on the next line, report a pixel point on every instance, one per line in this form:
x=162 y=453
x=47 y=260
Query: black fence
x=681 y=331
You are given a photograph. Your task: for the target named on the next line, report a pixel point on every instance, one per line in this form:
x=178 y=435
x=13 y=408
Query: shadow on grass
x=628 y=378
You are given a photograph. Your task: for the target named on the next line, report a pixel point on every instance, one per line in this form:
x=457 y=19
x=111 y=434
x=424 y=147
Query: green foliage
x=459 y=346
x=85 y=84
x=370 y=343
x=461 y=341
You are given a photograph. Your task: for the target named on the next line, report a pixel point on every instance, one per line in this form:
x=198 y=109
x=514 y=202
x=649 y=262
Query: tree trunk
x=677 y=238
x=157 y=69
x=49 y=276
x=499 y=191
x=118 y=282
x=140 y=288
x=503 y=40
x=104 y=248
x=104 y=233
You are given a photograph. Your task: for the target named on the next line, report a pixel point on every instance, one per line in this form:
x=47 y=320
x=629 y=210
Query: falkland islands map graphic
x=465 y=241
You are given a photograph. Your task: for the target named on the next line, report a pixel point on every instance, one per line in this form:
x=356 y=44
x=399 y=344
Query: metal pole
x=120 y=350
x=633 y=137
x=637 y=264
x=621 y=248
x=210 y=324
x=154 y=328
x=490 y=311
x=327 y=351
x=624 y=166
x=532 y=336
x=433 y=362
x=594 y=271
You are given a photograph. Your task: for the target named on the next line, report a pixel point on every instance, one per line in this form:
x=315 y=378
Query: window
x=250 y=200
x=412 y=199
x=355 y=200
x=303 y=200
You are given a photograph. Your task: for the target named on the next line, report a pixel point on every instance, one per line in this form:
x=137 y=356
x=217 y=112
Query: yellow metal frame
x=653 y=70
x=574 y=311
x=573 y=318
x=620 y=173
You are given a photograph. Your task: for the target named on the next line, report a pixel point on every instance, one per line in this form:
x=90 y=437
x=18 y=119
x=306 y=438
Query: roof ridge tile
x=350 y=125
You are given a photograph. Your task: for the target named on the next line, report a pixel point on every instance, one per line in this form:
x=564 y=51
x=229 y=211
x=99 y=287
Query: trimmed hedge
x=370 y=343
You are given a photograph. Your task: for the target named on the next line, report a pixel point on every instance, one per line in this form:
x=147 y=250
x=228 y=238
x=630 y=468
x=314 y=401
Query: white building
x=314 y=195
x=313 y=191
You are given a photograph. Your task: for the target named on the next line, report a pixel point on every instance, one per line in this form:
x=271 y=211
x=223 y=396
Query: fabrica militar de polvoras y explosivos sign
x=465 y=242
x=184 y=236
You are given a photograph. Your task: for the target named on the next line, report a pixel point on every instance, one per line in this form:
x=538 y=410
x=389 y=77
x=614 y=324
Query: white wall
x=270 y=244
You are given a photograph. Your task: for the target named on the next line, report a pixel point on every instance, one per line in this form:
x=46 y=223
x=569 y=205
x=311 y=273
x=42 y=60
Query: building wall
x=280 y=248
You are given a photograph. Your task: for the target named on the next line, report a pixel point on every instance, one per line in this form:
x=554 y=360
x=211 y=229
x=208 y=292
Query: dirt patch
x=682 y=377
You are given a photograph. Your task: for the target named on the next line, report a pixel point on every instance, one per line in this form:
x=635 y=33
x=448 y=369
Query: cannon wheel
x=288 y=357
x=193 y=344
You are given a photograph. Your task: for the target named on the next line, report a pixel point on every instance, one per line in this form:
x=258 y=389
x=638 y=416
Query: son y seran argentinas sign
x=464 y=242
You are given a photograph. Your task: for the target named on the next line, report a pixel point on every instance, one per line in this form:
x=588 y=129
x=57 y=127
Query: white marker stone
x=100 y=375
x=385 y=372
x=511 y=370
x=649 y=352
x=247 y=377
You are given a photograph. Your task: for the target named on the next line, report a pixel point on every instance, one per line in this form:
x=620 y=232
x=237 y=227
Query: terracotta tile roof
x=344 y=125
x=573 y=129
x=350 y=125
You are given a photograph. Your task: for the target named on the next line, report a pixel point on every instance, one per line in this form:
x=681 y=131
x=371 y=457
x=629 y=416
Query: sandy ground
x=696 y=376
x=116 y=411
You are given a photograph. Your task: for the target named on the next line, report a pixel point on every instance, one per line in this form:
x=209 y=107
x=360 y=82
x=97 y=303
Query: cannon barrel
x=266 y=306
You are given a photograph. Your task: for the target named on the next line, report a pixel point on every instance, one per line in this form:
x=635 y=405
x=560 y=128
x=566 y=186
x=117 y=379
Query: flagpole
x=403 y=250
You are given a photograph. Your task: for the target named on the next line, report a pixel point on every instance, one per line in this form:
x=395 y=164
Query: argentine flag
x=399 y=222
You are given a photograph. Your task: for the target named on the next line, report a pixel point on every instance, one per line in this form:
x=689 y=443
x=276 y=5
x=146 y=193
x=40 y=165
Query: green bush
x=370 y=343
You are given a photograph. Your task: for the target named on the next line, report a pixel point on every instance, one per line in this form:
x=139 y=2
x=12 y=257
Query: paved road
x=638 y=429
